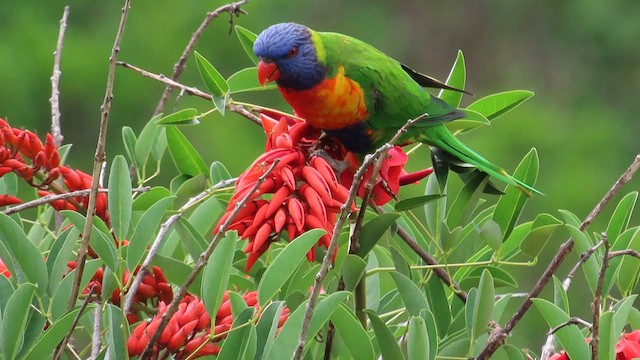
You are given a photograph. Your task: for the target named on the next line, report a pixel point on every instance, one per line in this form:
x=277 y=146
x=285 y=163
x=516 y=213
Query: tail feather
x=440 y=136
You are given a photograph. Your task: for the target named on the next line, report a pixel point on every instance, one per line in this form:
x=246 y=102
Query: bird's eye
x=293 y=52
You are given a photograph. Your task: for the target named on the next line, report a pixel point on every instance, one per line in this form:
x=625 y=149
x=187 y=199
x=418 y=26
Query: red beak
x=267 y=72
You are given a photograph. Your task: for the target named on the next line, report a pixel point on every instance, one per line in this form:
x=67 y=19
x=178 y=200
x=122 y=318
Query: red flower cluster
x=42 y=168
x=303 y=191
x=189 y=331
x=153 y=290
x=627 y=348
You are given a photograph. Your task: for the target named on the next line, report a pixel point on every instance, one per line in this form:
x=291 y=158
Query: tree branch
x=498 y=337
x=56 y=132
x=597 y=300
x=178 y=68
x=99 y=156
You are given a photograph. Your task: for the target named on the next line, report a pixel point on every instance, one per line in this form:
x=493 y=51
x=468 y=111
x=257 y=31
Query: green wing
x=392 y=95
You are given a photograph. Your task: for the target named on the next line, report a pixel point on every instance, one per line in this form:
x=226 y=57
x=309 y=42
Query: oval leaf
x=570 y=337
x=457 y=78
x=184 y=155
x=14 y=320
x=417 y=339
x=285 y=264
x=496 y=105
x=247 y=38
x=389 y=348
x=373 y=230
x=119 y=197
x=216 y=273
x=214 y=81
x=413 y=298
x=181 y=117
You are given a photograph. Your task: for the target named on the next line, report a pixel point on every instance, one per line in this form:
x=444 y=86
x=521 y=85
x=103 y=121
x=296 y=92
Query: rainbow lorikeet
x=358 y=94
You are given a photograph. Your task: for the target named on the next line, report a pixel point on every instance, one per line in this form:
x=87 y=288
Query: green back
x=392 y=96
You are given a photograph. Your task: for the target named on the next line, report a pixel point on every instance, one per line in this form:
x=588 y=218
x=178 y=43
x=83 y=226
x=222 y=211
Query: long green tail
x=441 y=137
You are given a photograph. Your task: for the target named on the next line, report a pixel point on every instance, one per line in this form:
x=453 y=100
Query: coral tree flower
x=190 y=332
x=303 y=191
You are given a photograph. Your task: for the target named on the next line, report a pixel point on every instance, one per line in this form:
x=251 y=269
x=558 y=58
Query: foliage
x=382 y=297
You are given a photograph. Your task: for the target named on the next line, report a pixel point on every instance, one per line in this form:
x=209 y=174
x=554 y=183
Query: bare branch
x=76 y=320
x=178 y=68
x=498 y=338
x=96 y=342
x=56 y=132
x=597 y=300
x=628 y=252
x=191 y=91
x=583 y=259
x=53 y=197
x=99 y=156
x=571 y=321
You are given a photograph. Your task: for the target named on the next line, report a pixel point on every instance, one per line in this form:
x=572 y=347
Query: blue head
x=288 y=56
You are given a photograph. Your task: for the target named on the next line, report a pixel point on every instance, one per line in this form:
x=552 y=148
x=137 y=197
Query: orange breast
x=333 y=104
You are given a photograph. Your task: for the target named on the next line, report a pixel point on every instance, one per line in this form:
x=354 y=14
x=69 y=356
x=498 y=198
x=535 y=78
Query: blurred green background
x=580 y=57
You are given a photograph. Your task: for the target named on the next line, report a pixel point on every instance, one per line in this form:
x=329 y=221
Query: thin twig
x=628 y=252
x=56 y=131
x=583 y=259
x=178 y=68
x=344 y=213
x=571 y=321
x=597 y=300
x=497 y=338
x=53 y=197
x=63 y=344
x=99 y=156
x=191 y=91
x=162 y=234
x=201 y=263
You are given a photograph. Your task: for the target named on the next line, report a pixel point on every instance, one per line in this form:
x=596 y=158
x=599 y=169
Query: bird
x=356 y=93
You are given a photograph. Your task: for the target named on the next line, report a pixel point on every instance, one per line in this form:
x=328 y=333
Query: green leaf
x=104 y=246
x=501 y=278
x=386 y=341
x=629 y=268
x=23 y=259
x=352 y=269
x=267 y=327
x=285 y=264
x=623 y=242
x=456 y=79
x=50 y=338
x=191 y=185
x=180 y=117
x=511 y=204
x=414 y=202
x=471 y=121
x=591 y=267
x=607 y=343
x=247 y=80
x=59 y=302
x=412 y=297
x=247 y=38
x=179 y=272
x=14 y=320
x=560 y=298
x=496 y=105
x=217 y=271
x=373 y=230
x=570 y=337
x=218 y=172
x=622 y=311
x=287 y=339
x=214 y=81
x=621 y=216
x=116 y=340
x=192 y=242
x=9 y=184
x=541 y=230
x=492 y=235
x=145 y=231
x=467 y=200
x=432 y=334
x=144 y=144
x=435 y=210
x=59 y=256
x=417 y=339
x=350 y=330
x=483 y=306
x=119 y=197
x=145 y=200
x=129 y=140
x=236 y=344
x=439 y=305
x=184 y=155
